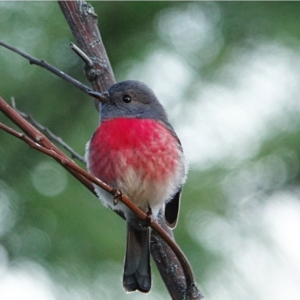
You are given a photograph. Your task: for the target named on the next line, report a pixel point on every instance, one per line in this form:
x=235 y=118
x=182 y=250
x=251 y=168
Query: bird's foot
x=148 y=219
x=117 y=195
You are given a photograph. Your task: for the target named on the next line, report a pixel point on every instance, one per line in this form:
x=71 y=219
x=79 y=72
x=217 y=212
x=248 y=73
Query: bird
x=136 y=151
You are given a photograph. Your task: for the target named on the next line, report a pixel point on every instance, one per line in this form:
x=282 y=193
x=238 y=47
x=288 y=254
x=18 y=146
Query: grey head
x=130 y=99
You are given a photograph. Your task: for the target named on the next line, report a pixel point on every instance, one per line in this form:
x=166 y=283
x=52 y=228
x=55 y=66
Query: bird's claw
x=117 y=196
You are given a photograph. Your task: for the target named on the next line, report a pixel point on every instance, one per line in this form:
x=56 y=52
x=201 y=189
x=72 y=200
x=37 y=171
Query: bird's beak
x=102 y=97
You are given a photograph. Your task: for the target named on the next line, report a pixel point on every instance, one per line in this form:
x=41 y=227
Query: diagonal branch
x=42 y=63
x=38 y=141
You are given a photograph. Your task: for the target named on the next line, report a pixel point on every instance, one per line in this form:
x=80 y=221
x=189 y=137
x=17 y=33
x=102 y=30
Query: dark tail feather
x=137 y=273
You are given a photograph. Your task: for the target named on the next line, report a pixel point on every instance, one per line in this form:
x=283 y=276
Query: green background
x=228 y=75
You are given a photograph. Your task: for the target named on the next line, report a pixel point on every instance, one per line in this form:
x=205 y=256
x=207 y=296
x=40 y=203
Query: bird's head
x=130 y=99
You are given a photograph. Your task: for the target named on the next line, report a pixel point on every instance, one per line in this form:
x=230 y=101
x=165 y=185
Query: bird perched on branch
x=136 y=151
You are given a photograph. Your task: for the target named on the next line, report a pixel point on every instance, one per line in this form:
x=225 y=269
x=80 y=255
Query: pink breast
x=142 y=146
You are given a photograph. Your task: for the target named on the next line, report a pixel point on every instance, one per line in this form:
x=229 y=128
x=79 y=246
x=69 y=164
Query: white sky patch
x=192 y=29
x=257 y=246
x=283 y=219
x=27 y=282
x=229 y=121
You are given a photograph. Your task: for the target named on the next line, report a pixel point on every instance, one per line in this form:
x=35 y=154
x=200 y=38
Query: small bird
x=136 y=151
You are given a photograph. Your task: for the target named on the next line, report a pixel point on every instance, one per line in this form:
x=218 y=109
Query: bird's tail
x=137 y=273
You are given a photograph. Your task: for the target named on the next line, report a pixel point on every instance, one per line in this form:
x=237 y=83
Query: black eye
x=126 y=99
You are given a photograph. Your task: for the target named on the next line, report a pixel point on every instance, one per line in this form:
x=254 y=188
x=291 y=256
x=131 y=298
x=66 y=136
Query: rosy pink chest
x=140 y=147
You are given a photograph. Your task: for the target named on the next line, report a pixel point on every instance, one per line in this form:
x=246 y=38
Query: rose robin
x=136 y=151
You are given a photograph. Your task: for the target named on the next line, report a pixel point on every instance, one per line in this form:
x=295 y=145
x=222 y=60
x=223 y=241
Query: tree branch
x=83 y=23
x=38 y=141
x=42 y=63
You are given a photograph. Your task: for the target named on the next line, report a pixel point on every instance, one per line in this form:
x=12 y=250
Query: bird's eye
x=126 y=99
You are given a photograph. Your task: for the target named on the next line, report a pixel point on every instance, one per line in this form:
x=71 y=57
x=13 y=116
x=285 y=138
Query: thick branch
x=82 y=20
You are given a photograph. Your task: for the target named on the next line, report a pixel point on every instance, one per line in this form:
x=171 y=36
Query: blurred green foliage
x=48 y=218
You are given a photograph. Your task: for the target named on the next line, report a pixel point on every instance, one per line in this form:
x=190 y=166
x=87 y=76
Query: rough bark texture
x=83 y=22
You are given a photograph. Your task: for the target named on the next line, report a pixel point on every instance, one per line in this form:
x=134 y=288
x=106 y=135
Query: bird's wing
x=172 y=207
x=172 y=210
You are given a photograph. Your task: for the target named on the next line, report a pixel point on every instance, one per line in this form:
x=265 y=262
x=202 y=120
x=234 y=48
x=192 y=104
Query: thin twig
x=48 y=133
x=47 y=66
x=82 y=55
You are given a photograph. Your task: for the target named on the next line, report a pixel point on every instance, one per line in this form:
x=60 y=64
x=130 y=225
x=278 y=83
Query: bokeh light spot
x=49 y=179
